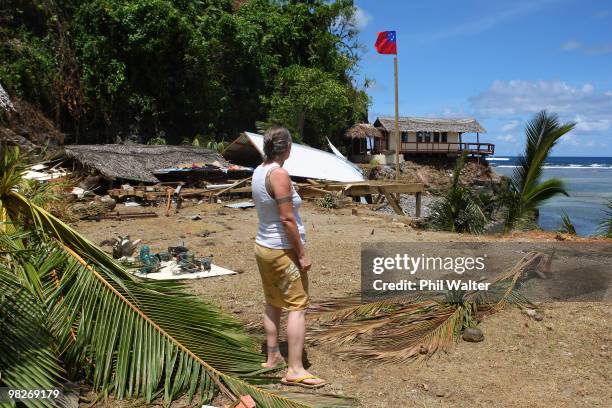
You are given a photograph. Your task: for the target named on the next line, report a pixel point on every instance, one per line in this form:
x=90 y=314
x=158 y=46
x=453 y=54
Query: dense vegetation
x=179 y=68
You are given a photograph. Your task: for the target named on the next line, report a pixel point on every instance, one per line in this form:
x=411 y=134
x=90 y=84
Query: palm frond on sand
x=127 y=337
x=407 y=328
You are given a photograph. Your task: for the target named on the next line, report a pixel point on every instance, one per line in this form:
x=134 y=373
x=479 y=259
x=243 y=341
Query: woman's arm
x=283 y=194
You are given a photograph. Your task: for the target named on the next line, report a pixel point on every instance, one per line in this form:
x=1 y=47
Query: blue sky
x=498 y=61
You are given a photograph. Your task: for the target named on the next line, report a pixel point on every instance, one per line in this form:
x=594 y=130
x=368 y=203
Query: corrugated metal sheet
x=305 y=161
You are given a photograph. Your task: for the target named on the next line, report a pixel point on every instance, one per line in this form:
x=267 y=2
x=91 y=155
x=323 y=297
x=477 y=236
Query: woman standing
x=281 y=257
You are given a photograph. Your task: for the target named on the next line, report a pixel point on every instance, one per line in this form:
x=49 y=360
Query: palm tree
x=68 y=310
x=526 y=192
x=458 y=210
x=605 y=226
x=567 y=226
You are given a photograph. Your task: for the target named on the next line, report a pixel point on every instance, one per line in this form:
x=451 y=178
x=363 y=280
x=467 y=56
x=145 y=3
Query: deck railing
x=439 y=147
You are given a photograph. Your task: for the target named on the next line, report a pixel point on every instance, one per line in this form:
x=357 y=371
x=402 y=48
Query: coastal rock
x=473 y=335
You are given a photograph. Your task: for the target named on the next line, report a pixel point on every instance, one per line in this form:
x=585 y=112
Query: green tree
x=605 y=225
x=458 y=209
x=103 y=68
x=526 y=192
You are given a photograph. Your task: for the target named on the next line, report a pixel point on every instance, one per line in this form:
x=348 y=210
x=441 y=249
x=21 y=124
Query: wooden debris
x=116 y=215
x=230 y=188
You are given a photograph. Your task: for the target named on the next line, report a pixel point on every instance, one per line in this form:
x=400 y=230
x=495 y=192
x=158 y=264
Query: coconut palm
x=605 y=226
x=458 y=209
x=68 y=310
x=526 y=192
x=567 y=226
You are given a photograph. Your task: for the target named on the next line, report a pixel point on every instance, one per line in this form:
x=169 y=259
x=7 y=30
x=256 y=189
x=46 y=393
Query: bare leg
x=296 y=332
x=272 y=317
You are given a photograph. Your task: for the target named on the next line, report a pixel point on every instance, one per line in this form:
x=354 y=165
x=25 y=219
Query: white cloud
x=589 y=107
x=571 y=45
x=509 y=126
x=361 y=18
x=573 y=140
x=592 y=49
x=506 y=138
x=592 y=125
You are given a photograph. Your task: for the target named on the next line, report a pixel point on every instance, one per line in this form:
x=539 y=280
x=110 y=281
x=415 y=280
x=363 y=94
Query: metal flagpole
x=397 y=132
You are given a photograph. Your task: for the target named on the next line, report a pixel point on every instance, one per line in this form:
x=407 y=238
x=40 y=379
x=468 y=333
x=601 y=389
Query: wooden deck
x=448 y=148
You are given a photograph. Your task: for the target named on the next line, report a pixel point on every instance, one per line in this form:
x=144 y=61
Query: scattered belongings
x=195 y=173
x=177 y=263
x=124 y=247
x=40 y=172
x=241 y=204
x=168 y=194
x=94 y=209
x=304 y=161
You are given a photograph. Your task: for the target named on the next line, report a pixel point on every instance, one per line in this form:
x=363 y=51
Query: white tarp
x=170 y=270
x=304 y=161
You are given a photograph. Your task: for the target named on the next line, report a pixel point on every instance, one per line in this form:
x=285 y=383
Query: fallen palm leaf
x=127 y=337
x=405 y=328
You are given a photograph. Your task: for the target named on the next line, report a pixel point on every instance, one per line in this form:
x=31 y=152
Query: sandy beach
x=564 y=360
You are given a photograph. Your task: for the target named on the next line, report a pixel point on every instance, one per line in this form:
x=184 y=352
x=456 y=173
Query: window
x=424 y=137
x=444 y=137
x=404 y=137
x=436 y=137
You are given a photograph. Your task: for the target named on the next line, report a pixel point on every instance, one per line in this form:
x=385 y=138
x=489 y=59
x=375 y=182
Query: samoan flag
x=386 y=42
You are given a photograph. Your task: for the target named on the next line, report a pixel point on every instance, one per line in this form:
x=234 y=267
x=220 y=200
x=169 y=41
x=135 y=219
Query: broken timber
x=385 y=190
x=116 y=215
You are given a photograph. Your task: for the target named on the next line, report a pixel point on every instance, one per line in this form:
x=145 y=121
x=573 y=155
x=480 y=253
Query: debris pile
x=436 y=173
x=176 y=260
x=5 y=101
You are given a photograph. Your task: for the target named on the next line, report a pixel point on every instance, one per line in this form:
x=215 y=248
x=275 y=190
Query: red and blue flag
x=386 y=42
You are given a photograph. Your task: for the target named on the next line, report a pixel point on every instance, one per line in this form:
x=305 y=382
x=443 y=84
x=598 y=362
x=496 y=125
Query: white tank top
x=270 y=230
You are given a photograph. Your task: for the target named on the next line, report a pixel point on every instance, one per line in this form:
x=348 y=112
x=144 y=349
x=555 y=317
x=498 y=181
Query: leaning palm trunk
x=128 y=337
x=407 y=328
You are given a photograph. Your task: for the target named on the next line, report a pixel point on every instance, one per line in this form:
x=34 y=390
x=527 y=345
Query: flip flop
x=300 y=382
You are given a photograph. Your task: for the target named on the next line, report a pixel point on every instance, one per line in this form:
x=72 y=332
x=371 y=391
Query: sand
x=563 y=361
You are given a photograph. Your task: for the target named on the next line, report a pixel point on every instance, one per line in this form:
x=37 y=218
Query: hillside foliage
x=174 y=69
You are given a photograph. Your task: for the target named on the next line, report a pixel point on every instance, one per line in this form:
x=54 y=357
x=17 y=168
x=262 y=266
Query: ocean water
x=589 y=184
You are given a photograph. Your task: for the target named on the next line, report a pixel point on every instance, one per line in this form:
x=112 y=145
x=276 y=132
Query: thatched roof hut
x=362 y=131
x=138 y=162
x=413 y=124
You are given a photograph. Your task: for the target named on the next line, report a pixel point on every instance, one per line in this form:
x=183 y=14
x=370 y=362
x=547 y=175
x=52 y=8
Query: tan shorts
x=283 y=284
